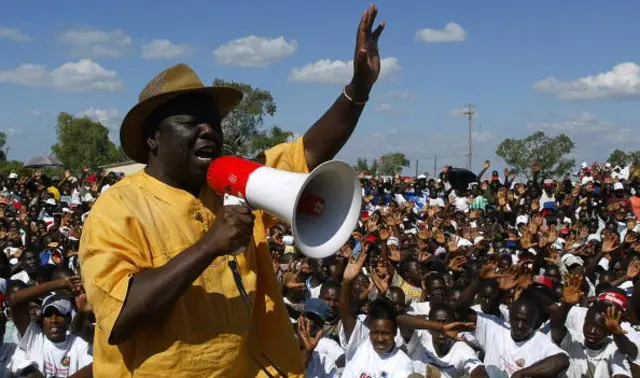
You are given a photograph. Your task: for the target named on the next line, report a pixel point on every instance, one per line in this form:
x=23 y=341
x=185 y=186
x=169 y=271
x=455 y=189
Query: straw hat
x=168 y=84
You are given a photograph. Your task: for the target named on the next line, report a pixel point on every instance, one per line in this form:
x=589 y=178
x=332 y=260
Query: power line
x=470 y=112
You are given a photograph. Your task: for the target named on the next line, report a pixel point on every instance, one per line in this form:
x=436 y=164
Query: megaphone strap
x=233 y=265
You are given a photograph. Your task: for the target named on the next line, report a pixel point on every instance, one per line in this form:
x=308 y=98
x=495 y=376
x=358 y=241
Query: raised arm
x=330 y=133
x=348 y=316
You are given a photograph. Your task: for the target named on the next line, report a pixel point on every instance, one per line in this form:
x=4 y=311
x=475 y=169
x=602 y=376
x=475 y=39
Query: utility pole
x=435 y=165
x=417 y=161
x=470 y=112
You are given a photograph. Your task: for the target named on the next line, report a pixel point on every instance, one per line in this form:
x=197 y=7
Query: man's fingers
x=378 y=31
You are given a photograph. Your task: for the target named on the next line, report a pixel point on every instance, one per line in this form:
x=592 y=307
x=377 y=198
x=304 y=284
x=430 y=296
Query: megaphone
x=322 y=207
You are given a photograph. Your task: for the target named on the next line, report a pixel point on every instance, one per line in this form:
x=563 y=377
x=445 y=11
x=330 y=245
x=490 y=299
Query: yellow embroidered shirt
x=141 y=223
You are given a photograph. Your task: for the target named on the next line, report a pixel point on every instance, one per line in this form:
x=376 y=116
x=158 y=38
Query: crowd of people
x=46 y=322
x=499 y=278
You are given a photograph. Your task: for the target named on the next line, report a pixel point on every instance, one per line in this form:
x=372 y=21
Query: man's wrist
x=357 y=92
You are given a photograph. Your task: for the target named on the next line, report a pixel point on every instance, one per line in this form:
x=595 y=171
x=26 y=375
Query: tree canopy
x=84 y=141
x=622 y=159
x=362 y=165
x=387 y=164
x=245 y=122
x=549 y=152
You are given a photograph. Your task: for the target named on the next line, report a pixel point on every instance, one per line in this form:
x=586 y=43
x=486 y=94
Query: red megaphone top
x=229 y=175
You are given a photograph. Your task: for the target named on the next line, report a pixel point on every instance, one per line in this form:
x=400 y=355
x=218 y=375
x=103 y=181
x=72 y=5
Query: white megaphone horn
x=322 y=207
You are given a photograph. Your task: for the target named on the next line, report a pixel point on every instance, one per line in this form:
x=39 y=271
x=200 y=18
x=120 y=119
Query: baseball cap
x=61 y=304
x=317 y=307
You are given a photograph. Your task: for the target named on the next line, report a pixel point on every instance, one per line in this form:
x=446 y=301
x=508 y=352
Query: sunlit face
x=382 y=333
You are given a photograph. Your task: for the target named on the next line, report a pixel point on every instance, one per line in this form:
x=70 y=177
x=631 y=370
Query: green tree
x=362 y=165
x=8 y=166
x=392 y=163
x=84 y=141
x=549 y=152
x=264 y=140
x=622 y=159
x=244 y=122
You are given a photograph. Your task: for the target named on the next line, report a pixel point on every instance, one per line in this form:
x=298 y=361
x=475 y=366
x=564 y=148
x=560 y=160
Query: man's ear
x=153 y=145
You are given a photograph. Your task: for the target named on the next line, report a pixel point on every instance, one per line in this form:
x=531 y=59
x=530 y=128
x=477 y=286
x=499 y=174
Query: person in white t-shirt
x=57 y=352
x=373 y=346
x=371 y=349
x=14 y=362
x=319 y=354
x=518 y=349
x=435 y=350
x=592 y=352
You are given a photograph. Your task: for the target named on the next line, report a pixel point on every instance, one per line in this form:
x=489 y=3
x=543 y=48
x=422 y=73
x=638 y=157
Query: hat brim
x=132 y=129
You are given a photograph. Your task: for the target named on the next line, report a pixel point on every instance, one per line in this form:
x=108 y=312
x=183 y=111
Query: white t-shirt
x=366 y=362
x=323 y=360
x=13 y=361
x=55 y=359
x=419 y=308
x=21 y=276
x=460 y=361
x=575 y=322
x=344 y=343
x=509 y=356
x=604 y=363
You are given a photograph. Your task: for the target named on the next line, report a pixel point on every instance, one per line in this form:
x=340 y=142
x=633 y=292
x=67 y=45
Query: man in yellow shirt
x=155 y=249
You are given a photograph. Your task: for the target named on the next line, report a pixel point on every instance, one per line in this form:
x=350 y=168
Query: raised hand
x=612 y=319
x=354 y=267
x=572 y=292
x=309 y=341
x=366 y=60
x=453 y=329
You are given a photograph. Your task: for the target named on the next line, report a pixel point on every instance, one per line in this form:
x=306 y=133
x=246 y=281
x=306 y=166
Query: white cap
x=522 y=219
x=51 y=201
x=287 y=239
x=421 y=177
x=618 y=186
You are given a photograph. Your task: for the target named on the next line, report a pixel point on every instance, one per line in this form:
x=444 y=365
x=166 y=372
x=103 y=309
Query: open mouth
x=206 y=154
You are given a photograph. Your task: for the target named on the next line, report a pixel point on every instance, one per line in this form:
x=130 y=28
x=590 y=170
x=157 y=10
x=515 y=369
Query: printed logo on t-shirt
x=520 y=362
x=65 y=361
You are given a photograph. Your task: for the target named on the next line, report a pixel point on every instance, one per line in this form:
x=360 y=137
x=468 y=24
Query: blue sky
x=557 y=66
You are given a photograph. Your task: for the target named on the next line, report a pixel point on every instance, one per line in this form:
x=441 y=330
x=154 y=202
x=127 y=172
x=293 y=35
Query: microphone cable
x=233 y=265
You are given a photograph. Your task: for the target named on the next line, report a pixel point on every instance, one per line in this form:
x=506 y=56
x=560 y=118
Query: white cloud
x=254 y=51
x=328 y=71
x=622 y=81
x=594 y=138
x=164 y=49
x=399 y=95
x=452 y=32
x=580 y=124
x=81 y=76
x=94 y=43
x=34 y=113
x=13 y=34
x=10 y=132
x=109 y=117
x=387 y=109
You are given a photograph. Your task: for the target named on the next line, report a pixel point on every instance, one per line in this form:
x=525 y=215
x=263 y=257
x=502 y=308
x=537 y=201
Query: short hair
x=441 y=307
x=383 y=309
x=530 y=304
x=330 y=284
x=599 y=307
x=433 y=276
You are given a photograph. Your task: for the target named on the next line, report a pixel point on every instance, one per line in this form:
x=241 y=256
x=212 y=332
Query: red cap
x=614 y=298
x=543 y=280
